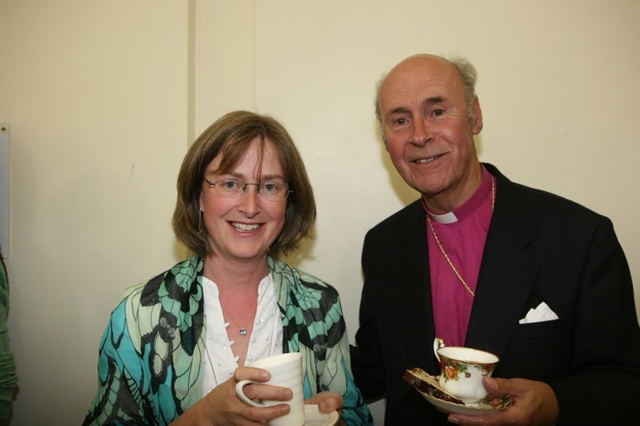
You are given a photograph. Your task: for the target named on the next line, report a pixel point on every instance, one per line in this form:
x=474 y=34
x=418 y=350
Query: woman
x=176 y=345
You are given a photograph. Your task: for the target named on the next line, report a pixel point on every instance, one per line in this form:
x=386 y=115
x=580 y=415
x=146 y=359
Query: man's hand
x=534 y=403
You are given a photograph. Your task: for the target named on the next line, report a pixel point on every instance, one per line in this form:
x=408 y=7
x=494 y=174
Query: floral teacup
x=462 y=370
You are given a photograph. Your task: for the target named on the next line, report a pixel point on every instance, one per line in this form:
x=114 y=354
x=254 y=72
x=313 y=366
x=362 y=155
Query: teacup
x=286 y=371
x=462 y=370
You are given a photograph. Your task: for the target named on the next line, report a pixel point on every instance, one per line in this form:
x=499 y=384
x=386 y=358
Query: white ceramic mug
x=286 y=371
x=462 y=370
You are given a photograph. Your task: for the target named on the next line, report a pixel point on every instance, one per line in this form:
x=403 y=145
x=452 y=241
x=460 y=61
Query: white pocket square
x=540 y=314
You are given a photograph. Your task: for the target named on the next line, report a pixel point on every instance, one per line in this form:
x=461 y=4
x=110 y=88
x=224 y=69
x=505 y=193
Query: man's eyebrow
x=400 y=110
x=433 y=100
x=428 y=101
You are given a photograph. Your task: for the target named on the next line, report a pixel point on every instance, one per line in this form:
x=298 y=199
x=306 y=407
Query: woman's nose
x=249 y=200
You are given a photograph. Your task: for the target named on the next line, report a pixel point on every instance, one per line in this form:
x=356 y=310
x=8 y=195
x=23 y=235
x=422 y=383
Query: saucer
x=430 y=389
x=314 y=417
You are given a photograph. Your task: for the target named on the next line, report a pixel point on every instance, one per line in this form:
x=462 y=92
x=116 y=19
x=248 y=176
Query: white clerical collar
x=485 y=190
x=445 y=218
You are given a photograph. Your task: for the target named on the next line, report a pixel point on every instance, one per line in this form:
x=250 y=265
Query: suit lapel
x=413 y=289
x=506 y=275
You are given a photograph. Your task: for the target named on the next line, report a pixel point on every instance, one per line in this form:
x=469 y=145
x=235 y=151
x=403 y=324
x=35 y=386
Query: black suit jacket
x=539 y=248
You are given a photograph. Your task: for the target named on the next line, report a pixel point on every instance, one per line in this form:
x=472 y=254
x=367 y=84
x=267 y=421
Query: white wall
x=104 y=97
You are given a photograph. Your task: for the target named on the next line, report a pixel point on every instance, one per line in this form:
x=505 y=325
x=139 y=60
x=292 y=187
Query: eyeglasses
x=270 y=191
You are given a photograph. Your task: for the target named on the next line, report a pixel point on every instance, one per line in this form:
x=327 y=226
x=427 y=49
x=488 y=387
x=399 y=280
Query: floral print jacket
x=151 y=360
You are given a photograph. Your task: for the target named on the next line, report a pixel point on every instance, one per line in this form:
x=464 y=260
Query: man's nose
x=421 y=133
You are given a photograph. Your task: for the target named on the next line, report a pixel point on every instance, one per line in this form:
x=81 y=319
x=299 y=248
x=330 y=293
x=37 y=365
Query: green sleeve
x=8 y=377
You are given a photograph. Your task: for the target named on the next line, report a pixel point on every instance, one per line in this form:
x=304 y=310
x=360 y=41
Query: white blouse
x=266 y=337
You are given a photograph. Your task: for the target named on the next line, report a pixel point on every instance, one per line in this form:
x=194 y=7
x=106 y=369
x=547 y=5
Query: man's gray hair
x=469 y=77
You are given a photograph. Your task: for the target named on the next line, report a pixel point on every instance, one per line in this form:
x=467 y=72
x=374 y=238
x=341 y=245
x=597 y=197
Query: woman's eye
x=270 y=187
x=230 y=184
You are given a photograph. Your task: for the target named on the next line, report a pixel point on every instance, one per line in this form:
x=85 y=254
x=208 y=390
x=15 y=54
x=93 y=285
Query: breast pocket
x=538 y=351
x=540 y=330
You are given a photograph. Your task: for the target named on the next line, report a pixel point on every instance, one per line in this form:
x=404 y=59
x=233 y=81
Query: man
x=472 y=257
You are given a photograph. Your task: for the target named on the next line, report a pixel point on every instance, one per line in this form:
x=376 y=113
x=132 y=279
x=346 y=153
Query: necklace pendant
x=243 y=331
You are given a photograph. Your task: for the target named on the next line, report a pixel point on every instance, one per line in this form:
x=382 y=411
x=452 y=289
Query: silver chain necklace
x=213 y=370
x=243 y=330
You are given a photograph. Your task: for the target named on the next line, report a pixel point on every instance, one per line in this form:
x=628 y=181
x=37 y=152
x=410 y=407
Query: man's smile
x=427 y=159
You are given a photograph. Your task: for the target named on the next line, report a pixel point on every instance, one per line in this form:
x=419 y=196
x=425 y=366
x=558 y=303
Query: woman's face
x=242 y=228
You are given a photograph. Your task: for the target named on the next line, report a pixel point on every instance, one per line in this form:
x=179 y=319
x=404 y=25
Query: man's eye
x=400 y=121
x=438 y=112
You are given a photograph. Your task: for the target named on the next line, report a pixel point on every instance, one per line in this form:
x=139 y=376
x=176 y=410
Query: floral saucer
x=430 y=389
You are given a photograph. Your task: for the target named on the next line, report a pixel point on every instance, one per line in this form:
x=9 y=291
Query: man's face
x=428 y=129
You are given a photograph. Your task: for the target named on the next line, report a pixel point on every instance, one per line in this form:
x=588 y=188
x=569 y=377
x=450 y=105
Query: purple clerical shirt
x=462 y=234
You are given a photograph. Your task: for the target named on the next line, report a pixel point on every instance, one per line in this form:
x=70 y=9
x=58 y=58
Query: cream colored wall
x=104 y=97
x=96 y=94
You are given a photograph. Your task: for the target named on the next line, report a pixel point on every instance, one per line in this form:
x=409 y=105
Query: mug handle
x=240 y=392
x=438 y=343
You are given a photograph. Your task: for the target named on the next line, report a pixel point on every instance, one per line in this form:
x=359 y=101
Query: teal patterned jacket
x=151 y=360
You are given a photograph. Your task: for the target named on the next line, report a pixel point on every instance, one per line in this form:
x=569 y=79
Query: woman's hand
x=222 y=407
x=327 y=402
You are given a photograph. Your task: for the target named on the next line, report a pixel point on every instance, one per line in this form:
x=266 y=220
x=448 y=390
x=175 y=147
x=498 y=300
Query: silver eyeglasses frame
x=243 y=186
